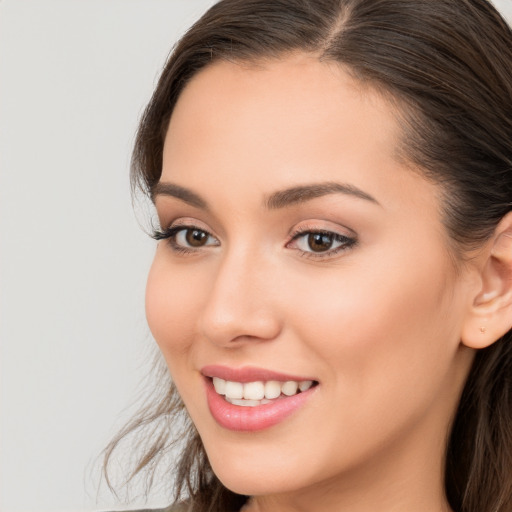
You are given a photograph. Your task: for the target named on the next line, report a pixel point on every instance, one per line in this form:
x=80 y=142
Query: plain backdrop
x=74 y=77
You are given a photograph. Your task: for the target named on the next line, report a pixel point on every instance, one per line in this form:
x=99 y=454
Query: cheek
x=172 y=299
x=381 y=328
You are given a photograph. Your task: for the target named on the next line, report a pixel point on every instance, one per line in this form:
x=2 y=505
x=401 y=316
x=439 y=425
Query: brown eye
x=196 y=237
x=320 y=242
x=191 y=238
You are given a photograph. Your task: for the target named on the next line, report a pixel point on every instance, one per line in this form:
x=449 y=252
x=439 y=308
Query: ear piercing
x=483 y=329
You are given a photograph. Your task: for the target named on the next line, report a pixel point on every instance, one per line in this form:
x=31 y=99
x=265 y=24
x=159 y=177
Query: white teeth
x=305 y=385
x=289 y=388
x=247 y=403
x=254 y=390
x=234 y=389
x=258 y=392
x=220 y=385
x=272 y=389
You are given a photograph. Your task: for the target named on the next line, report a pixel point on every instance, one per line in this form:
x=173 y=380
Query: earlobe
x=490 y=315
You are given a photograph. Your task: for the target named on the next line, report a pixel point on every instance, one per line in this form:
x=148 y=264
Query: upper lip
x=249 y=374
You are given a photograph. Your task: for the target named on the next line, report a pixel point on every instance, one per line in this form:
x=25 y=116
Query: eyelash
x=345 y=241
x=170 y=235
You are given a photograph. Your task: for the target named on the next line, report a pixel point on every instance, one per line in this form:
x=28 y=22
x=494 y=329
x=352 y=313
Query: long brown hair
x=448 y=66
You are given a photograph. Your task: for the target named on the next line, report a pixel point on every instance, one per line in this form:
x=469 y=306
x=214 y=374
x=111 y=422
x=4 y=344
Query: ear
x=490 y=315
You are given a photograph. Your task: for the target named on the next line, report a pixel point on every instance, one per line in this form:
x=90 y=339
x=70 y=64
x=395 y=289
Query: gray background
x=74 y=76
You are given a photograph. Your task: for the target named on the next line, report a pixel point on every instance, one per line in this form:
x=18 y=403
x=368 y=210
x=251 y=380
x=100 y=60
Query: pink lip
x=248 y=374
x=251 y=419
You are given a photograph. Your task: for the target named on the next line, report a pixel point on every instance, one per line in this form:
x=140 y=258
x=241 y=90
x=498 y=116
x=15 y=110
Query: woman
x=332 y=289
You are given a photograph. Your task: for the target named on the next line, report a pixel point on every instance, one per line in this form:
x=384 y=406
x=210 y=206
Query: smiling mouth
x=252 y=399
x=256 y=393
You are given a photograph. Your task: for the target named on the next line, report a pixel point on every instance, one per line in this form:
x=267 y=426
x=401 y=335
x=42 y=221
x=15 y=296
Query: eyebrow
x=173 y=190
x=303 y=193
x=280 y=199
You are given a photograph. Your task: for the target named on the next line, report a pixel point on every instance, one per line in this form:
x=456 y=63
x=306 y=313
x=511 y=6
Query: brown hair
x=448 y=64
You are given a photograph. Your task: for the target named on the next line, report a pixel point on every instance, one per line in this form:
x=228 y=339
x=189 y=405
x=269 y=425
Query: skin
x=378 y=324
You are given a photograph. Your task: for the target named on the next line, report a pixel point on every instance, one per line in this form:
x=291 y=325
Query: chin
x=255 y=482
x=258 y=469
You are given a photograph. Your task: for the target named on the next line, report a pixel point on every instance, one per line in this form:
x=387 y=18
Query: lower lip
x=251 y=419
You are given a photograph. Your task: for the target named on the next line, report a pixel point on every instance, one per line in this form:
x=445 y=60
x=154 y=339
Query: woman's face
x=301 y=248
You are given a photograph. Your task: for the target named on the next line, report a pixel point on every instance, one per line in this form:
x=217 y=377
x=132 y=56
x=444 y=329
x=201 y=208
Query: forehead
x=275 y=123
x=298 y=91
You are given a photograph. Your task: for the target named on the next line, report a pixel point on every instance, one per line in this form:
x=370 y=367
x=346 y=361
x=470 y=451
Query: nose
x=241 y=303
